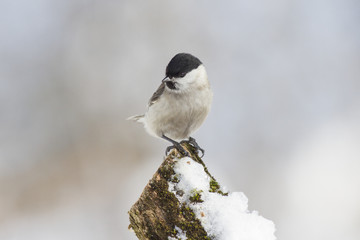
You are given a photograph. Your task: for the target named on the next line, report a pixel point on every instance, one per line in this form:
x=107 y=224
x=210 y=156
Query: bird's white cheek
x=196 y=76
x=187 y=82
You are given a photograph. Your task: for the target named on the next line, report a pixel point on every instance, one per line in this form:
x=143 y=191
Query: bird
x=180 y=104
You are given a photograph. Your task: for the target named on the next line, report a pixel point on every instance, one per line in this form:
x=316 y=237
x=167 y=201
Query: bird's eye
x=182 y=75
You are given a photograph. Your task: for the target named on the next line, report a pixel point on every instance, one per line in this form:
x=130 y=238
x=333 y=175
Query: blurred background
x=284 y=126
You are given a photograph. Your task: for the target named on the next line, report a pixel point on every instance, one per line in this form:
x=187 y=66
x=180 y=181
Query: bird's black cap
x=181 y=64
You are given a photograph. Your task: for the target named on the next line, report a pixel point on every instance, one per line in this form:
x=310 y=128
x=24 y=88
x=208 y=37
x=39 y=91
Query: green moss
x=196 y=196
x=175 y=179
x=167 y=170
x=192 y=225
x=159 y=200
x=214 y=185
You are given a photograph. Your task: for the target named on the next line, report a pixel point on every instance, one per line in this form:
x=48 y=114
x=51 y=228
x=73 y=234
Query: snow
x=180 y=234
x=223 y=217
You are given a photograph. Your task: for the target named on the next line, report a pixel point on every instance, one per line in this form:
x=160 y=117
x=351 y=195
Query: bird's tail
x=137 y=118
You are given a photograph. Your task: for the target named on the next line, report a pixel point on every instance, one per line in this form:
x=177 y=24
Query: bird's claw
x=193 y=142
x=179 y=148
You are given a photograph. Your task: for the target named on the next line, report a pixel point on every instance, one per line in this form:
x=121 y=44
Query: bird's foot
x=178 y=147
x=193 y=142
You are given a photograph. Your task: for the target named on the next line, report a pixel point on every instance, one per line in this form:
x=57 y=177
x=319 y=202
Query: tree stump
x=184 y=201
x=158 y=214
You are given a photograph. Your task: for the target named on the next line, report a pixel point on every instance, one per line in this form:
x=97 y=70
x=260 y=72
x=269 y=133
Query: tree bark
x=157 y=211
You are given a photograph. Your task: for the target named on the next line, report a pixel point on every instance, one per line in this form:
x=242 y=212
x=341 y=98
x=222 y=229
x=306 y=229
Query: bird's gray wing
x=157 y=94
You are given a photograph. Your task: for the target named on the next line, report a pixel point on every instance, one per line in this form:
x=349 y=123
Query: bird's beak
x=166 y=79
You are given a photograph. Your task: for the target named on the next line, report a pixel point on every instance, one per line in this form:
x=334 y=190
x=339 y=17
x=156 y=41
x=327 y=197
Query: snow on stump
x=184 y=201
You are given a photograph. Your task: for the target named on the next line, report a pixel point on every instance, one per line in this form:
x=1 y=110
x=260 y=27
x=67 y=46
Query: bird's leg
x=175 y=145
x=193 y=142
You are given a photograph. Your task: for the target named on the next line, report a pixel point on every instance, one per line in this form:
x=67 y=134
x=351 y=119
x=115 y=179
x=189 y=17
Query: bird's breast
x=179 y=115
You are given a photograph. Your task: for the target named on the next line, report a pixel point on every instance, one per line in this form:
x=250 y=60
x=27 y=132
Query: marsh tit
x=180 y=104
